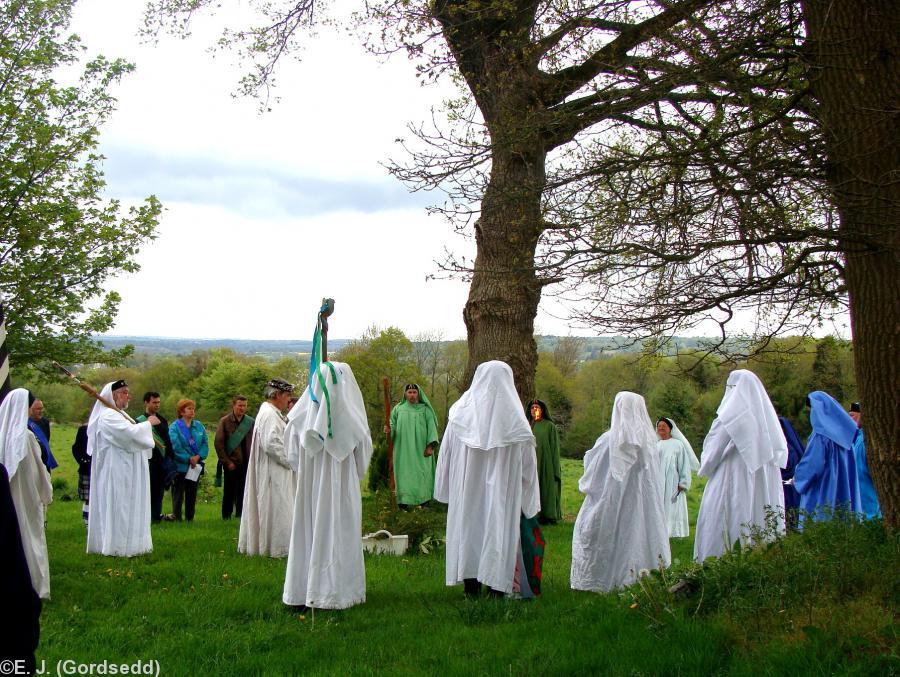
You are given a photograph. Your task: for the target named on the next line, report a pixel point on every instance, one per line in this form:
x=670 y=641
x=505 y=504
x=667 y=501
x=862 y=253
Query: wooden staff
x=385 y=384
x=92 y=391
x=326 y=310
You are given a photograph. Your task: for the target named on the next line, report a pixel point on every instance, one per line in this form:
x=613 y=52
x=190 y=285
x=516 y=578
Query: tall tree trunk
x=853 y=50
x=505 y=292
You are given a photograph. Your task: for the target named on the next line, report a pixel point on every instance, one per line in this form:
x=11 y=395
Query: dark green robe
x=549 y=471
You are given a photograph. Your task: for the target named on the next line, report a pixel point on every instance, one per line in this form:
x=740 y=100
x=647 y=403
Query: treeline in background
x=577 y=381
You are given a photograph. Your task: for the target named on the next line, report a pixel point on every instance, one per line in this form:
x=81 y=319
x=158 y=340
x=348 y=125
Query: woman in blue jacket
x=191 y=446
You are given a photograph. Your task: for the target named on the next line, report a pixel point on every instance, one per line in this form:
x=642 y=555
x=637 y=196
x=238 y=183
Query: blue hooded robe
x=870 y=506
x=826 y=475
x=795 y=453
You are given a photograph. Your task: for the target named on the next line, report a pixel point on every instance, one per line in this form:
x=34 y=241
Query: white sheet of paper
x=193 y=474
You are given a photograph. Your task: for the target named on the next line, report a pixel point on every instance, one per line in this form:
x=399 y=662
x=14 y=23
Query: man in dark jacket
x=233 y=437
x=162 y=450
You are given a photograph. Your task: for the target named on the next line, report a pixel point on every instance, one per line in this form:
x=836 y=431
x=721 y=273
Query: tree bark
x=853 y=50
x=505 y=292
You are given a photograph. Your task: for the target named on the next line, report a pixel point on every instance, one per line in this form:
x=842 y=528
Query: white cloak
x=29 y=484
x=325 y=567
x=742 y=457
x=119 y=523
x=269 y=490
x=31 y=493
x=734 y=499
x=621 y=527
x=487 y=473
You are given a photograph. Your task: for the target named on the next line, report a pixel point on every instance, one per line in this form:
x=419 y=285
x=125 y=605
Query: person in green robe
x=549 y=472
x=413 y=428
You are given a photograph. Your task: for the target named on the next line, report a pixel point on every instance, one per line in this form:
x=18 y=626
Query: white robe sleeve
x=272 y=440
x=128 y=436
x=442 y=471
x=45 y=487
x=714 y=448
x=531 y=495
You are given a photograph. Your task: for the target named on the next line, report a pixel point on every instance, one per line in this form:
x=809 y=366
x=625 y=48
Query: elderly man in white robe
x=29 y=484
x=271 y=481
x=120 y=477
x=742 y=457
x=621 y=530
x=487 y=473
x=329 y=443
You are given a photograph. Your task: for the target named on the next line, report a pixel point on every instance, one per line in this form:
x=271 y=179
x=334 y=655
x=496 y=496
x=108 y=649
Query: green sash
x=234 y=439
x=157 y=440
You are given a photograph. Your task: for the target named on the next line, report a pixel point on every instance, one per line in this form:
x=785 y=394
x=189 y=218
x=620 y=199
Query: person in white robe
x=271 y=481
x=29 y=484
x=119 y=525
x=676 y=462
x=487 y=474
x=743 y=454
x=620 y=531
x=329 y=444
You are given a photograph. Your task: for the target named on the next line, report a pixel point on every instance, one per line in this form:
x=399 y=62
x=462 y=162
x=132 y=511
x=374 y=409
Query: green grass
x=198 y=607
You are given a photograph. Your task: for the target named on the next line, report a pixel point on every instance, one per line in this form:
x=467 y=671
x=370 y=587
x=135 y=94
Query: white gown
x=119 y=524
x=31 y=493
x=621 y=527
x=269 y=489
x=742 y=457
x=29 y=485
x=488 y=488
x=734 y=500
x=325 y=567
x=675 y=467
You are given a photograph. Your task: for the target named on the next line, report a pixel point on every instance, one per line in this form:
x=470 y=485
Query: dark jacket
x=163 y=431
x=79 y=451
x=227 y=425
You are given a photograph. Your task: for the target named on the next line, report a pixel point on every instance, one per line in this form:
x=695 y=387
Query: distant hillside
x=162 y=345
x=592 y=347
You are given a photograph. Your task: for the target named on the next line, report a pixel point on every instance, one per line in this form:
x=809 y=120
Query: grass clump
x=829 y=592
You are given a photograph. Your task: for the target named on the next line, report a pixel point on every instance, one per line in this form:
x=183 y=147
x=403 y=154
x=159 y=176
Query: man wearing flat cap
x=271 y=482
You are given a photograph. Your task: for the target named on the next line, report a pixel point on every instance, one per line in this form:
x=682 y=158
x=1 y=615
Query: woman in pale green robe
x=414 y=431
x=676 y=462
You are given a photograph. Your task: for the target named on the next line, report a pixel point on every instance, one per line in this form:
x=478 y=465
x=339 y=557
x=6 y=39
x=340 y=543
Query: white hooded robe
x=29 y=484
x=621 y=527
x=487 y=473
x=742 y=456
x=119 y=523
x=325 y=567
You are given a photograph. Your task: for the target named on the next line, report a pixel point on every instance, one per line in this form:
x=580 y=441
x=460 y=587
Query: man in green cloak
x=413 y=428
x=549 y=472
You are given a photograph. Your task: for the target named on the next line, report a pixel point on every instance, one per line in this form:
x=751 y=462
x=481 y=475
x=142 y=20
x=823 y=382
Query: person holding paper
x=191 y=446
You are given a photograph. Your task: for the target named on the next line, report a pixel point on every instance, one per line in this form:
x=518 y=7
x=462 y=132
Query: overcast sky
x=266 y=214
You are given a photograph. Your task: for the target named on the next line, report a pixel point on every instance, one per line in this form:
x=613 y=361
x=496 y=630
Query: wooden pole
x=385 y=384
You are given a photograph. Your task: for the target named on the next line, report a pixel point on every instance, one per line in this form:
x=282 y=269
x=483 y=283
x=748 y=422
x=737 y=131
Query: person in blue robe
x=795 y=453
x=826 y=476
x=870 y=506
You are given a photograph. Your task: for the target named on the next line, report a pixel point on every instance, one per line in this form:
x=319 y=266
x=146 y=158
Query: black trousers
x=184 y=492
x=157 y=491
x=233 y=490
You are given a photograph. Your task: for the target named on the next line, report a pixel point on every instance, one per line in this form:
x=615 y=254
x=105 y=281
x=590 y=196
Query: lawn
x=197 y=607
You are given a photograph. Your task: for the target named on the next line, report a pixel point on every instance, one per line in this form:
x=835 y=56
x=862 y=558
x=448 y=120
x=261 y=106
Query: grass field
x=197 y=607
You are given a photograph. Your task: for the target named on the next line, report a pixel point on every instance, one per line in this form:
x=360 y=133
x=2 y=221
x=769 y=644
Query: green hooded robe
x=413 y=427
